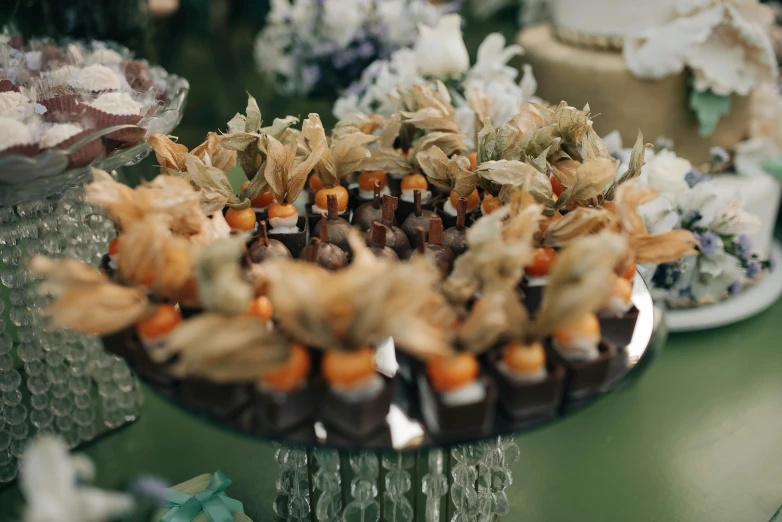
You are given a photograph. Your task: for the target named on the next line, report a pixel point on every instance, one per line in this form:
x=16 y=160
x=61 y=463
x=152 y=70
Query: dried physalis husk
x=222 y=286
x=117 y=199
x=142 y=243
x=449 y=142
x=212 y=152
x=592 y=178
x=637 y=161
x=224 y=348
x=497 y=314
x=212 y=184
x=383 y=156
x=85 y=300
x=174 y=271
x=566 y=171
x=286 y=173
x=576 y=223
x=580 y=281
x=628 y=198
x=448 y=173
x=168 y=153
x=665 y=248
x=313 y=132
x=349 y=150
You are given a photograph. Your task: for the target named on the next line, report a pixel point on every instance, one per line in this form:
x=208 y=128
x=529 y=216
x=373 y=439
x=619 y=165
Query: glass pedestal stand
x=59 y=382
x=465 y=483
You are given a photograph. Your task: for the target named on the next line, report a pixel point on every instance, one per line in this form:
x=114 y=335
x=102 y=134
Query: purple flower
x=708 y=240
x=695 y=176
x=744 y=246
x=735 y=288
x=753 y=269
x=718 y=155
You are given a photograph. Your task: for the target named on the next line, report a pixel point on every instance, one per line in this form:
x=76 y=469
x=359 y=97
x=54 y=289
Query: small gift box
x=202 y=499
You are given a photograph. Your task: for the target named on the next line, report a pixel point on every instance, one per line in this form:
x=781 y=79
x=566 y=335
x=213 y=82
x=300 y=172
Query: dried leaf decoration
x=579 y=222
x=224 y=348
x=243 y=137
x=168 y=153
x=580 y=281
x=498 y=314
x=213 y=186
x=85 y=300
x=286 y=173
x=368 y=301
x=507 y=175
x=221 y=285
x=383 y=156
x=448 y=173
x=342 y=156
x=637 y=161
x=212 y=153
x=592 y=178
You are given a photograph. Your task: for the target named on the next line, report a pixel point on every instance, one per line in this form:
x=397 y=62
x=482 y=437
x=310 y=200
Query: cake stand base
x=749 y=302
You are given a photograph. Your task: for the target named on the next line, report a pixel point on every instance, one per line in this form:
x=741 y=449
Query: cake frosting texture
x=614 y=18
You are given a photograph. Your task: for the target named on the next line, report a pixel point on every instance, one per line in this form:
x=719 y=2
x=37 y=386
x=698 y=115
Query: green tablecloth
x=696 y=439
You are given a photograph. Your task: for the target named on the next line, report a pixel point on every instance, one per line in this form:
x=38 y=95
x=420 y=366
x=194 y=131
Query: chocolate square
x=464 y=421
x=619 y=330
x=585 y=378
x=295 y=241
x=277 y=412
x=526 y=401
x=357 y=419
x=223 y=401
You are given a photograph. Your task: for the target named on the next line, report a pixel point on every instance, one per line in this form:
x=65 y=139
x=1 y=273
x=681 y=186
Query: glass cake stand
x=416 y=477
x=59 y=382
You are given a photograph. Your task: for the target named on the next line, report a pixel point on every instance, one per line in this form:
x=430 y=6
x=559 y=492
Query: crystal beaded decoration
x=479 y=475
x=292 y=502
x=363 y=488
x=328 y=483
x=59 y=367
x=434 y=486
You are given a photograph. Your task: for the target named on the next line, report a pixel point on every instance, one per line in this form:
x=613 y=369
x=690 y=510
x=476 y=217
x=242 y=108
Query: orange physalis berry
x=243 y=220
x=321 y=197
x=449 y=373
x=542 y=259
x=472 y=200
x=292 y=373
x=366 y=180
x=348 y=368
x=164 y=320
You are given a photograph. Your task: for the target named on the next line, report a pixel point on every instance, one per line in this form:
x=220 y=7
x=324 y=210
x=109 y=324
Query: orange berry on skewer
x=542 y=259
x=524 y=358
x=366 y=180
x=321 y=198
x=315 y=182
x=490 y=204
x=263 y=200
x=450 y=373
x=348 y=369
x=473 y=200
x=165 y=319
x=261 y=307
x=295 y=370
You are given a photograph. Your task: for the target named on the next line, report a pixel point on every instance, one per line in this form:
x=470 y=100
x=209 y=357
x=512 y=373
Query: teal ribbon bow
x=217 y=506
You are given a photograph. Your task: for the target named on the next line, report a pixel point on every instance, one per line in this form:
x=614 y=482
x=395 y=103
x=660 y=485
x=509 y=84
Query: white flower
x=715 y=274
x=665 y=173
x=345 y=106
x=703 y=199
x=613 y=141
x=465 y=119
x=492 y=59
x=440 y=51
x=725 y=43
x=732 y=219
x=342 y=19
x=659 y=215
x=49 y=479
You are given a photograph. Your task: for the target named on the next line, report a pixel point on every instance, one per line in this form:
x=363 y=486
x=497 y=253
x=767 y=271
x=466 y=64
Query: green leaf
x=709 y=108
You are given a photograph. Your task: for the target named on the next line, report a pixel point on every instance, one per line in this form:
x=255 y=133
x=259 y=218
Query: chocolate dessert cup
x=527 y=401
x=380 y=438
x=533 y=295
x=222 y=401
x=357 y=418
x=619 y=330
x=465 y=421
x=295 y=241
x=280 y=412
x=585 y=378
x=126 y=344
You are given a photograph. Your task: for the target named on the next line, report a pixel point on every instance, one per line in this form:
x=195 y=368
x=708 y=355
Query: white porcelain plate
x=750 y=302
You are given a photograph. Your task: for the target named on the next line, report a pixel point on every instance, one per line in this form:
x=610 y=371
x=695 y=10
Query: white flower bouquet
x=321 y=46
x=689 y=200
x=490 y=85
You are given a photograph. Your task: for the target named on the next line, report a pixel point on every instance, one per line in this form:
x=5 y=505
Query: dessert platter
x=63 y=108
x=313 y=307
